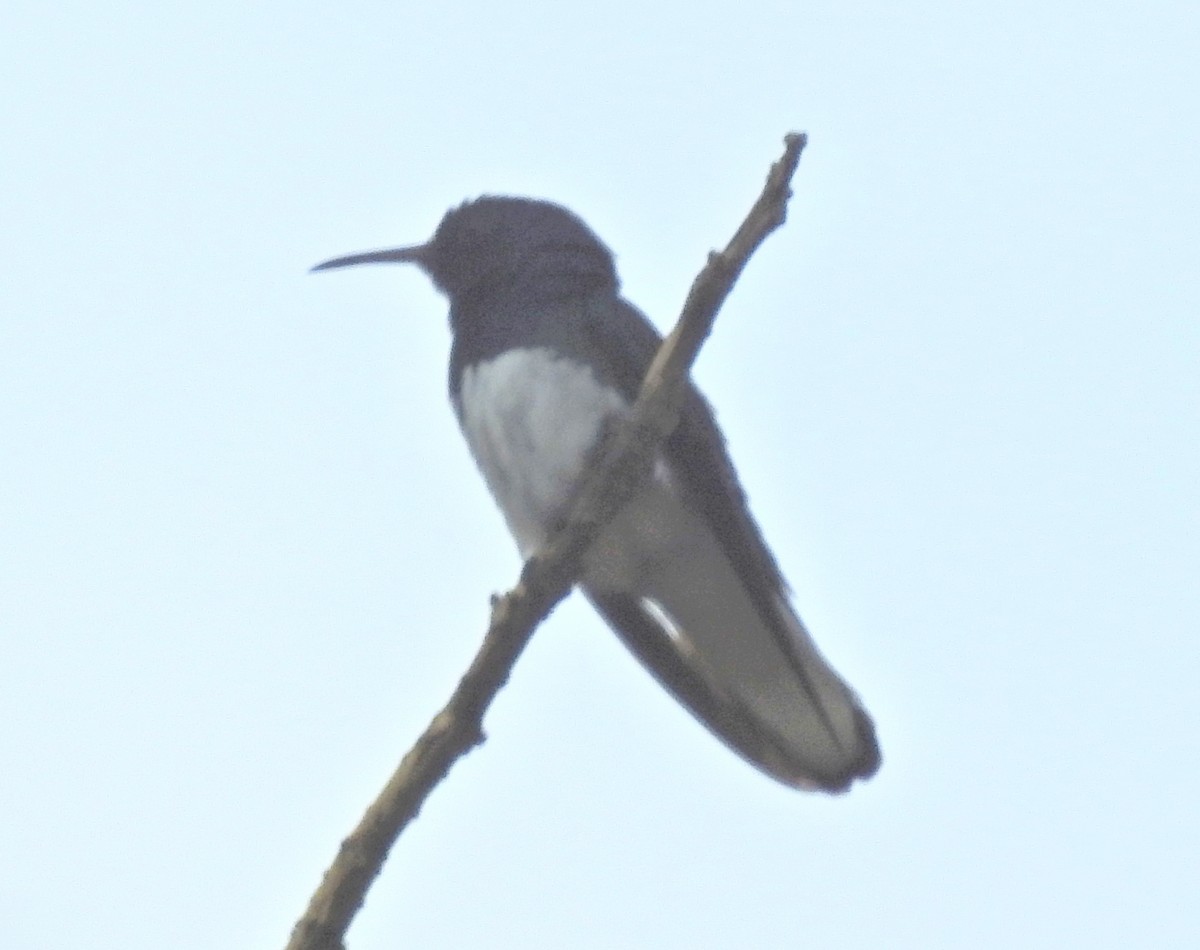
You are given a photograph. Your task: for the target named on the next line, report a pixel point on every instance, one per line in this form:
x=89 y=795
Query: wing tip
x=728 y=719
x=862 y=765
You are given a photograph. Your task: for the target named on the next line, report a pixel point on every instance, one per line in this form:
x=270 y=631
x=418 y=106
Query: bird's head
x=483 y=244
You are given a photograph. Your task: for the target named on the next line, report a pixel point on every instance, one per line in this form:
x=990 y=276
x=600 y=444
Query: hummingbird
x=546 y=354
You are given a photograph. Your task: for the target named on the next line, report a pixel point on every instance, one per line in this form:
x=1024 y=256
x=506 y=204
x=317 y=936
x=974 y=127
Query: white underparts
x=532 y=419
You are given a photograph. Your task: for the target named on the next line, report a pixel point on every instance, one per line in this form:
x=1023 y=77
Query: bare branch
x=546 y=578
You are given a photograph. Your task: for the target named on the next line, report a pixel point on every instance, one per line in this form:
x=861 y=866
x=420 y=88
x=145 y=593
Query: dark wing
x=696 y=450
x=700 y=464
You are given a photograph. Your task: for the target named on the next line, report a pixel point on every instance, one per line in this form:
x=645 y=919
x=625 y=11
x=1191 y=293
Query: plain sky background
x=244 y=554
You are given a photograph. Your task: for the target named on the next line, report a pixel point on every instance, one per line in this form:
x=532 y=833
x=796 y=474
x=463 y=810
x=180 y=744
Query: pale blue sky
x=244 y=554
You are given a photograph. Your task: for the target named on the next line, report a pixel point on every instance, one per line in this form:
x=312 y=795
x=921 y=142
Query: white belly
x=532 y=419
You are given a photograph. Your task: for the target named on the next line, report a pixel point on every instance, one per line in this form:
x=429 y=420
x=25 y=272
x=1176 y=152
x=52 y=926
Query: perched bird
x=546 y=354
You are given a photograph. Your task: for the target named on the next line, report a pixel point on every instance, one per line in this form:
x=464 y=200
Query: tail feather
x=743 y=664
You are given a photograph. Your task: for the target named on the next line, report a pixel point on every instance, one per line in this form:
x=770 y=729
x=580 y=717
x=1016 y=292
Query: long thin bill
x=416 y=254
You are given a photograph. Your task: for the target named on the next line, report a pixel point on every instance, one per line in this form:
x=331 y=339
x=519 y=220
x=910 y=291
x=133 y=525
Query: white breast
x=531 y=419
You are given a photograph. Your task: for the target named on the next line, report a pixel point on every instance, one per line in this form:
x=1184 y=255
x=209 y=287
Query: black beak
x=417 y=254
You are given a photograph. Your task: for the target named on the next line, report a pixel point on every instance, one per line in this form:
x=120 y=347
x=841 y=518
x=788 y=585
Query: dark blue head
x=504 y=246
